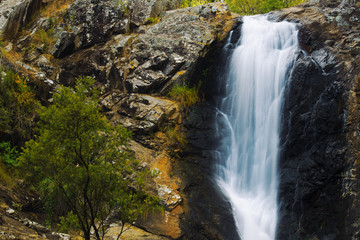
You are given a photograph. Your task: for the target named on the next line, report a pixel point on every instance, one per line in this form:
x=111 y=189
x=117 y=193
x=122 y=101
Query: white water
x=250 y=117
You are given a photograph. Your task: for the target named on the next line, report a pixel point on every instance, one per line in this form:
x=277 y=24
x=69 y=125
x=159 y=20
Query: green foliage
x=123 y=5
x=68 y=223
x=250 y=7
x=17 y=106
x=8 y=162
x=176 y=137
x=48 y=192
x=8 y=154
x=80 y=155
x=193 y=3
x=4 y=176
x=44 y=37
x=185 y=95
x=152 y=20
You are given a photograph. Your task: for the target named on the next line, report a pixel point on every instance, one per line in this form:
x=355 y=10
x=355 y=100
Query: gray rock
x=172 y=46
x=14 y=14
x=141 y=10
x=65 y=45
x=121 y=41
x=139 y=113
x=165 y=54
x=92 y=22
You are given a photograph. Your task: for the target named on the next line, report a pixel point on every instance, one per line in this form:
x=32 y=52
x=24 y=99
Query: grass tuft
x=176 y=137
x=185 y=95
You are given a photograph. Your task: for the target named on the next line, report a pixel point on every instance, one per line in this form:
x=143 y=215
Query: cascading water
x=249 y=123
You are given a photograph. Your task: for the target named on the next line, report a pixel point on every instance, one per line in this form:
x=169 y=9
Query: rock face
x=14 y=14
x=135 y=61
x=319 y=160
x=143 y=10
x=151 y=62
x=92 y=22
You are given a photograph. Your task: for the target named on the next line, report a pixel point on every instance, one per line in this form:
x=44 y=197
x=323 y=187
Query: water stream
x=248 y=120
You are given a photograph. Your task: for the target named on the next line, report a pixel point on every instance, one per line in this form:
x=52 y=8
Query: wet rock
x=208 y=213
x=319 y=140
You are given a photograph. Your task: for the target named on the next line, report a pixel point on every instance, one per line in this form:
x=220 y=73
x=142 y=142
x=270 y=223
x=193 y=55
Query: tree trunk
x=86 y=235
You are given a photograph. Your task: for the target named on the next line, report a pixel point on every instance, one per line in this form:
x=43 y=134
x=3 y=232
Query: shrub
x=8 y=162
x=176 y=137
x=185 y=95
x=152 y=20
x=44 y=37
x=8 y=154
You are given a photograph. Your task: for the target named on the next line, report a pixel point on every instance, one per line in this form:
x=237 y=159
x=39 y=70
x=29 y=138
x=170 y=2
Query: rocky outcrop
x=90 y=22
x=319 y=161
x=164 y=54
x=135 y=61
x=14 y=14
x=143 y=10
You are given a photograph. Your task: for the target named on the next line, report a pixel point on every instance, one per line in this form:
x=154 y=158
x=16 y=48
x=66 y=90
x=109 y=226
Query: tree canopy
x=79 y=155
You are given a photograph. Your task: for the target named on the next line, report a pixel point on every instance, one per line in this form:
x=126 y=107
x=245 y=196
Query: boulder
x=140 y=113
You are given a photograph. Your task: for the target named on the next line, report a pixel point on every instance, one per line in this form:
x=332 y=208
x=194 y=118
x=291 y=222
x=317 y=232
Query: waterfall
x=248 y=122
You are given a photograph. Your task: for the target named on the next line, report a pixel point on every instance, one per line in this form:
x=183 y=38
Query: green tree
x=83 y=158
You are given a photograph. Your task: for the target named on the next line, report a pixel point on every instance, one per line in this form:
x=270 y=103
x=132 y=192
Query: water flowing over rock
x=249 y=121
x=137 y=50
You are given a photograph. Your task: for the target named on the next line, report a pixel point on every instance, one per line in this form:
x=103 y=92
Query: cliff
x=139 y=50
x=319 y=161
